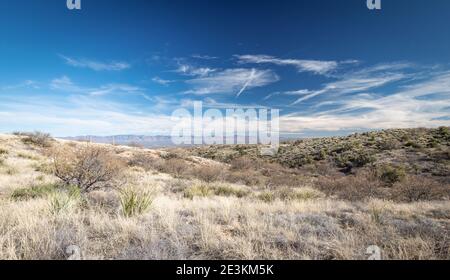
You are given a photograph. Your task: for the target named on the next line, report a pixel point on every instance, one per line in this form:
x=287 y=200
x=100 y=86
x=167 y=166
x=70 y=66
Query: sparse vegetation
x=88 y=167
x=324 y=198
x=33 y=192
x=135 y=202
x=37 y=138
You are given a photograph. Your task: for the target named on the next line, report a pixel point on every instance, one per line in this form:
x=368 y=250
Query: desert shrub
x=391 y=174
x=362 y=185
x=267 y=196
x=33 y=192
x=174 y=166
x=201 y=190
x=389 y=144
x=419 y=188
x=143 y=160
x=37 y=138
x=63 y=201
x=354 y=159
x=87 y=168
x=242 y=163
x=224 y=190
x=106 y=200
x=207 y=173
x=444 y=131
x=249 y=178
x=413 y=144
x=2 y=161
x=170 y=155
x=135 y=201
x=3 y=151
x=321 y=155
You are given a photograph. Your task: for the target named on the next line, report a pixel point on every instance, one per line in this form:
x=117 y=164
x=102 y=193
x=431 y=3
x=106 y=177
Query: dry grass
x=168 y=211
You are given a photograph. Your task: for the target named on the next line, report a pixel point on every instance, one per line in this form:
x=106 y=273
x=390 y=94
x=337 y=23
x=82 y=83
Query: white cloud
x=190 y=70
x=205 y=57
x=356 y=81
x=410 y=107
x=82 y=116
x=212 y=103
x=231 y=81
x=314 y=66
x=161 y=81
x=96 y=65
x=25 y=84
x=67 y=85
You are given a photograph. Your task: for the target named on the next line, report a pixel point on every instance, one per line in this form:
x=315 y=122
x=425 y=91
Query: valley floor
x=197 y=219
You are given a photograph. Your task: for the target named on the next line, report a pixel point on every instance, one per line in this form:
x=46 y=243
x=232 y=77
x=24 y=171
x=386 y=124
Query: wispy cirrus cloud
x=313 y=66
x=25 y=84
x=65 y=84
x=209 y=102
x=231 y=81
x=189 y=70
x=356 y=81
x=205 y=57
x=96 y=65
x=161 y=81
x=424 y=103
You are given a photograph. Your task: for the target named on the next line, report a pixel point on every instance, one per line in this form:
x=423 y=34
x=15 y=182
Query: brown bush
x=87 y=168
x=243 y=163
x=37 y=138
x=249 y=178
x=363 y=185
x=142 y=160
x=208 y=173
x=176 y=167
x=419 y=188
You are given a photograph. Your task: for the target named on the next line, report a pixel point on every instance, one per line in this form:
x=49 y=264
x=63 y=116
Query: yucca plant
x=63 y=201
x=135 y=202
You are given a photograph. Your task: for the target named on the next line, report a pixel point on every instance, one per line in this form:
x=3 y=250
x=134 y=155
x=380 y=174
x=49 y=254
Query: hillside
x=328 y=198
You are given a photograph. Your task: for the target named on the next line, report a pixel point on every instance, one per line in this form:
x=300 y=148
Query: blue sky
x=123 y=67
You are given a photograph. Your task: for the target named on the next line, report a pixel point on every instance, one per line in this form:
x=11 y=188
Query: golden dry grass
x=297 y=223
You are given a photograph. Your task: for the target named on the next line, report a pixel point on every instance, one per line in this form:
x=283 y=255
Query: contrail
x=250 y=79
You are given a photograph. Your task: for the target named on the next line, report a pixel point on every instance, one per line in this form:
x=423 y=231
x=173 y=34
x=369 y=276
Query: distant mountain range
x=132 y=140
x=136 y=140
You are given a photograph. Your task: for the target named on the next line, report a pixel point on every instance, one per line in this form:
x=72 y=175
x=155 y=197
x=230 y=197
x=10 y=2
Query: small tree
x=87 y=168
x=37 y=138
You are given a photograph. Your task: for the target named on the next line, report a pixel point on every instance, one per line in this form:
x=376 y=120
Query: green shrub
x=63 y=201
x=267 y=196
x=135 y=202
x=201 y=190
x=392 y=174
x=413 y=144
x=33 y=192
x=444 y=131
x=224 y=190
x=321 y=155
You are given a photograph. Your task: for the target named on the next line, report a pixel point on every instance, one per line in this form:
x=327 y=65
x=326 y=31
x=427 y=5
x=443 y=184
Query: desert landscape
x=321 y=199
